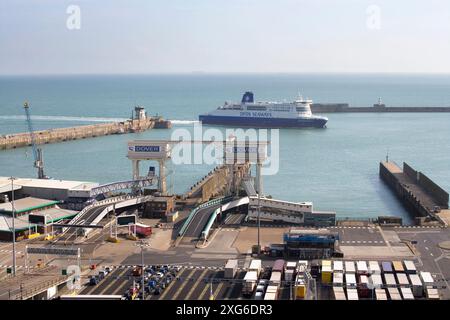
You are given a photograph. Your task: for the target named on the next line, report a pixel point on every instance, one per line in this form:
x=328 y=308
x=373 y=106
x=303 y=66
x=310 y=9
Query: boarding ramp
x=249 y=187
x=92 y=214
x=198 y=217
x=123 y=185
x=289 y=212
x=120 y=205
x=217 y=211
x=88 y=210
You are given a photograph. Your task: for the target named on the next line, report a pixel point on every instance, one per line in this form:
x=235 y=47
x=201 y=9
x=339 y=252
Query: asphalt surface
x=88 y=217
x=199 y=222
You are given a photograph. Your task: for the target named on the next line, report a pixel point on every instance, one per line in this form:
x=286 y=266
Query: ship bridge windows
x=302 y=109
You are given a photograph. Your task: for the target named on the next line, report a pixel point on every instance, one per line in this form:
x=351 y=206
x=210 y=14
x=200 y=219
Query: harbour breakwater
x=23 y=139
x=417 y=192
x=380 y=108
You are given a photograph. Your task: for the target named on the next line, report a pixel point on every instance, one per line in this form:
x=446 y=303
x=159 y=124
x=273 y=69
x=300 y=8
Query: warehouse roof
x=56 y=214
x=48 y=183
x=26 y=204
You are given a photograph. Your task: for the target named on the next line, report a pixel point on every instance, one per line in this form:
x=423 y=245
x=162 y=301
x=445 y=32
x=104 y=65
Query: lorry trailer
x=250 y=279
x=230 y=269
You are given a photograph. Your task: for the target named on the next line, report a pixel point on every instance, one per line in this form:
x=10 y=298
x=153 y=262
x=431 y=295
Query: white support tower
x=150 y=150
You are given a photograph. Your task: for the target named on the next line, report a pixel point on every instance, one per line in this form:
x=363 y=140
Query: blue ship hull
x=256 y=122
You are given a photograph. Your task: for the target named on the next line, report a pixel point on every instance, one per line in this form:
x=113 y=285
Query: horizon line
x=227 y=73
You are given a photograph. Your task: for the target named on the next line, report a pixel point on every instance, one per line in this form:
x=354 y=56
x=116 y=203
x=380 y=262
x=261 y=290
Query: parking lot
x=190 y=283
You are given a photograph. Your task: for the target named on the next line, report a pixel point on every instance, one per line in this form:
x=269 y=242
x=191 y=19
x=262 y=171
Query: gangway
x=122 y=185
x=290 y=212
x=218 y=210
x=91 y=215
x=249 y=187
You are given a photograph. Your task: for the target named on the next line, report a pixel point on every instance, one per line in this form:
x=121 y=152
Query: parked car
x=93 y=280
x=101 y=275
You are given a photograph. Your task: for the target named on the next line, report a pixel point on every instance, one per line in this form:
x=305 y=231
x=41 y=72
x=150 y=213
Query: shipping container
x=270 y=296
x=374 y=267
x=416 y=285
x=326 y=274
x=350 y=267
x=230 y=269
x=432 y=294
x=255 y=265
x=338 y=279
x=250 y=279
x=361 y=267
x=352 y=294
x=326 y=263
x=278 y=265
x=427 y=279
x=398 y=266
x=350 y=280
x=363 y=287
x=300 y=288
x=376 y=281
x=291 y=265
x=394 y=294
x=410 y=267
x=272 y=288
x=389 y=280
x=380 y=294
x=339 y=293
x=407 y=294
x=386 y=267
x=338 y=266
x=275 y=278
x=402 y=280
x=273 y=292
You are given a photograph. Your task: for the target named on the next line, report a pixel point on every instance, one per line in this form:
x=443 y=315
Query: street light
x=13 y=226
x=141 y=244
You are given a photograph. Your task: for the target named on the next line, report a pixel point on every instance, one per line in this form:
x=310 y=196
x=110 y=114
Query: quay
x=139 y=122
x=423 y=197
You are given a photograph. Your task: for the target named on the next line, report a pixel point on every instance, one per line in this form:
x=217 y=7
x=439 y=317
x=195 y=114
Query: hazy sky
x=159 y=36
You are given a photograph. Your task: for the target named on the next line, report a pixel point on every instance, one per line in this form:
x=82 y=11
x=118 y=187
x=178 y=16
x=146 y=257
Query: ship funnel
x=247 y=97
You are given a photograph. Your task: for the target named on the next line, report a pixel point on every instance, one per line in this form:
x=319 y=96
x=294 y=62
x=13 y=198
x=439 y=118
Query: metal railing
x=196 y=209
x=26 y=293
x=88 y=208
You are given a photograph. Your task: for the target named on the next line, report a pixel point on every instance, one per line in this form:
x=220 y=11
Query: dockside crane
x=37 y=152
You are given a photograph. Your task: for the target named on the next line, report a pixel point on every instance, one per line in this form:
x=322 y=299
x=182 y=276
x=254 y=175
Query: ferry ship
x=248 y=113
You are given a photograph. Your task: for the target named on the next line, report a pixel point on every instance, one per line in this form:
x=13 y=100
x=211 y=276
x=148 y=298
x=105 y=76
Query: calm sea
x=336 y=168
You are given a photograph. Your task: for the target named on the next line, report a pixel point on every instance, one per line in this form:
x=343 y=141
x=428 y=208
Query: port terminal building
x=31 y=216
x=74 y=194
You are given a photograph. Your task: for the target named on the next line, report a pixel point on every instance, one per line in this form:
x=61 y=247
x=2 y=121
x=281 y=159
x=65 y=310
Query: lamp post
x=141 y=244
x=13 y=226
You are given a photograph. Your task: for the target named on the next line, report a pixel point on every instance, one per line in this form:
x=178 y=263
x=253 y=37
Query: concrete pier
x=415 y=190
x=377 y=108
x=17 y=140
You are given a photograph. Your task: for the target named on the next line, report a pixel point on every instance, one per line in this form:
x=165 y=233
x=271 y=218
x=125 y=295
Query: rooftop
x=21 y=223
x=26 y=204
x=5 y=184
